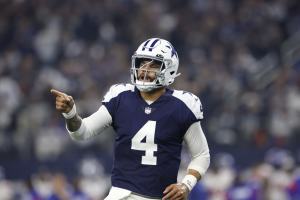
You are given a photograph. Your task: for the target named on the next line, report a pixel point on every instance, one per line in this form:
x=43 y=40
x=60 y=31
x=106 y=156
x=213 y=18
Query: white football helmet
x=157 y=50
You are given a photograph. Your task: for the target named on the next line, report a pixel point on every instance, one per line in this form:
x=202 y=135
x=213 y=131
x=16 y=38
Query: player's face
x=148 y=70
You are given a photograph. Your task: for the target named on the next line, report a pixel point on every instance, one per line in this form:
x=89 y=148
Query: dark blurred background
x=241 y=57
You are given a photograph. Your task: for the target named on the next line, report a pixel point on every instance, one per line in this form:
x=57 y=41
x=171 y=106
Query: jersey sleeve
x=192 y=102
x=111 y=98
x=195 y=106
x=190 y=109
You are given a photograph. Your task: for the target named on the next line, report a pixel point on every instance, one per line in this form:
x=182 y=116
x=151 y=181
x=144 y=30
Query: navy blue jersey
x=149 y=137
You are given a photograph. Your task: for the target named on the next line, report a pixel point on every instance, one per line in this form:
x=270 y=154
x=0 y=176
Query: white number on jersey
x=148 y=131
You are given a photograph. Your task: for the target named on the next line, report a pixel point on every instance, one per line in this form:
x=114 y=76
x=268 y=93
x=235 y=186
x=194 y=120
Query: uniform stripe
x=145 y=44
x=152 y=45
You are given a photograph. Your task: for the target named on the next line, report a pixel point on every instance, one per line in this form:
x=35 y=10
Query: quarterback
x=151 y=122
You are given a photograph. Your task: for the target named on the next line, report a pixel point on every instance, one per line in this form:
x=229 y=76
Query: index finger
x=170 y=194
x=168 y=189
x=57 y=93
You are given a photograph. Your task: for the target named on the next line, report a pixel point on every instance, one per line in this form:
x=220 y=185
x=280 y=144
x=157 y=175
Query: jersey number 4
x=148 y=131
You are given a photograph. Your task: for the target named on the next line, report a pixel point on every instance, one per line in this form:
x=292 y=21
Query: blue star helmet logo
x=173 y=51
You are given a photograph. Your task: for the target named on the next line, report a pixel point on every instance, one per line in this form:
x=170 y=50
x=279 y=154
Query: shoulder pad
x=191 y=101
x=117 y=89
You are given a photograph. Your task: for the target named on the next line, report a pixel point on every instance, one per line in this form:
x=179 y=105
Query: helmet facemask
x=143 y=83
x=162 y=53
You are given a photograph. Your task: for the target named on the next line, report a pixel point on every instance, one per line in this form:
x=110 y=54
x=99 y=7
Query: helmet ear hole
x=172 y=72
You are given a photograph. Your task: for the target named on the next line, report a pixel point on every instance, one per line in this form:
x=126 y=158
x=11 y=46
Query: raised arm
x=78 y=128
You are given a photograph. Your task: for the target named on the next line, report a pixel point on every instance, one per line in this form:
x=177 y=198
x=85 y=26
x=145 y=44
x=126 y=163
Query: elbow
x=200 y=163
x=81 y=134
x=75 y=136
x=207 y=155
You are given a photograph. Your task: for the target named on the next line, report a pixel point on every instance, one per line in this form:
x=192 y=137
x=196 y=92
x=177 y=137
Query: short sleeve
x=111 y=98
x=192 y=102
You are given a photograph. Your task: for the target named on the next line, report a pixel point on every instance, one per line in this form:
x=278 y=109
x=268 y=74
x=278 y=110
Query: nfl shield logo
x=147 y=110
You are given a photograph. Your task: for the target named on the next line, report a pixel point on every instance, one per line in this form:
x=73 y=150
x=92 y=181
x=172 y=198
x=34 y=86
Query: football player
x=151 y=122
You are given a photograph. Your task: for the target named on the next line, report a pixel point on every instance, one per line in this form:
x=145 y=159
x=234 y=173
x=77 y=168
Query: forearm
x=196 y=170
x=74 y=123
x=78 y=128
x=198 y=148
x=82 y=129
x=200 y=163
x=197 y=145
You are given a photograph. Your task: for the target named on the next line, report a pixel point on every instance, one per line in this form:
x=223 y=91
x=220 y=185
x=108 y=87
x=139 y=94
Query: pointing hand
x=64 y=102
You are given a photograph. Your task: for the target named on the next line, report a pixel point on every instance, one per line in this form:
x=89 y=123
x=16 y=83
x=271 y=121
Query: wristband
x=71 y=113
x=190 y=181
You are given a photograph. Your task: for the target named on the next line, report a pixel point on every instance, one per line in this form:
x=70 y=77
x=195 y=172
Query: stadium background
x=240 y=57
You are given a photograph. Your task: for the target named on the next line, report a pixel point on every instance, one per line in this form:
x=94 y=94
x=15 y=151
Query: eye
x=155 y=66
x=143 y=62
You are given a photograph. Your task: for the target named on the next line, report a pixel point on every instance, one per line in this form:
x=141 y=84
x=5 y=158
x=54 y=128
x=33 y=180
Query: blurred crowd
x=233 y=54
